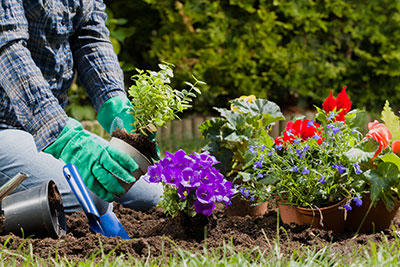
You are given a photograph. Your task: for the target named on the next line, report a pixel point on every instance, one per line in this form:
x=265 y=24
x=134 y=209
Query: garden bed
x=155 y=234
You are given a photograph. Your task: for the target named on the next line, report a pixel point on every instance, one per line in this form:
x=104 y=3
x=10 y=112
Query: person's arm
x=35 y=106
x=95 y=60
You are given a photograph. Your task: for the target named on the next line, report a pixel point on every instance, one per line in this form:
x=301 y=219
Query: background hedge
x=291 y=52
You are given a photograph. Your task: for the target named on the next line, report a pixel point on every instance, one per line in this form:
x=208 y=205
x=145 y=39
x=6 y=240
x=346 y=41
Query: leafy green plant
x=230 y=135
x=307 y=165
x=155 y=101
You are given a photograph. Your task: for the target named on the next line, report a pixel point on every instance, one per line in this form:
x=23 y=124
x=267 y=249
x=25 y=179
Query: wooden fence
x=187 y=128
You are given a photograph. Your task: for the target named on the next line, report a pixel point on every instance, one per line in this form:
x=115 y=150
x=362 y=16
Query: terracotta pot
x=241 y=207
x=378 y=218
x=327 y=218
x=288 y=213
x=142 y=161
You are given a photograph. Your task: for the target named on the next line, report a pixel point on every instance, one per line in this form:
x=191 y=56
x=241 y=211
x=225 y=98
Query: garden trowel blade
x=107 y=224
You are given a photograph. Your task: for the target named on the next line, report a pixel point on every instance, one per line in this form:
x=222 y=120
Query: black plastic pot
x=37 y=211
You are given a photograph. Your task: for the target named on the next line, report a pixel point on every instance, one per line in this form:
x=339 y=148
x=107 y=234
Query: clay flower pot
x=377 y=219
x=327 y=218
x=241 y=207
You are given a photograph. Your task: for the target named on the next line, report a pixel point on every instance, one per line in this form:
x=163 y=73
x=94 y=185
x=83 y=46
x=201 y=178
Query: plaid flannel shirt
x=42 y=44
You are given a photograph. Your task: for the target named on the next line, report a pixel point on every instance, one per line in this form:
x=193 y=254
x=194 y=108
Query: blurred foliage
x=289 y=52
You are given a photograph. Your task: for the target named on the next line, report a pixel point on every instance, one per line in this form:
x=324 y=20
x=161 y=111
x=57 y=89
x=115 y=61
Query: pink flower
x=380 y=133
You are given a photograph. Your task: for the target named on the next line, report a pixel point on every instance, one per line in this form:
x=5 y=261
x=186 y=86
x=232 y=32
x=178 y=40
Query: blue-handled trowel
x=106 y=224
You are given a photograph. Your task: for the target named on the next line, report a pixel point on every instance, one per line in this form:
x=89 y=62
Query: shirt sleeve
x=96 y=62
x=35 y=107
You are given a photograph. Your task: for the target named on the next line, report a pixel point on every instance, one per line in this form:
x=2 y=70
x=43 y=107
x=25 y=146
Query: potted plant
x=192 y=187
x=306 y=169
x=155 y=103
x=378 y=154
x=230 y=136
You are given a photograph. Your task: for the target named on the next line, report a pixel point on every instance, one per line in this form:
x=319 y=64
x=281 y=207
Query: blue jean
x=18 y=153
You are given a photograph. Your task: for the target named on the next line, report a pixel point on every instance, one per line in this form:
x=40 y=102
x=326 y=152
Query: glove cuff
x=116 y=112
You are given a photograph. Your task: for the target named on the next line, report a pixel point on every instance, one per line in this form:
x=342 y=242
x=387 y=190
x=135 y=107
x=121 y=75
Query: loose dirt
x=155 y=234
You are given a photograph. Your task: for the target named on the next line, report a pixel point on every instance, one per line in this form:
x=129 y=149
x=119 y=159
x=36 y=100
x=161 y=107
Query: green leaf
x=393 y=158
x=382 y=179
x=245 y=176
x=392 y=122
x=270 y=179
x=259 y=107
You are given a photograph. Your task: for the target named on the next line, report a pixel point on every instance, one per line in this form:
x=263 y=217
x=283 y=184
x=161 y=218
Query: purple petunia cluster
x=194 y=176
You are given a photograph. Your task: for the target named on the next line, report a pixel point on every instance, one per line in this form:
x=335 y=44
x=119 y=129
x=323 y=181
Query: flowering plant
x=307 y=165
x=378 y=154
x=230 y=135
x=191 y=183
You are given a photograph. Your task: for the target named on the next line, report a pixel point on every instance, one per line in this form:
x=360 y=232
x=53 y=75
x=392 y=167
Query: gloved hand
x=96 y=162
x=118 y=112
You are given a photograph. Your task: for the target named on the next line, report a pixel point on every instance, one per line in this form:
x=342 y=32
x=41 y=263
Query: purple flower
x=299 y=152
x=190 y=178
x=295 y=169
x=270 y=152
x=316 y=137
x=306 y=148
x=204 y=208
x=296 y=141
x=183 y=192
x=260 y=175
x=331 y=116
x=205 y=193
x=252 y=198
x=310 y=123
x=339 y=167
x=322 y=180
x=154 y=174
x=336 y=130
x=262 y=148
x=172 y=176
x=258 y=164
x=358 y=201
x=347 y=207
x=279 y=147
x=251 y=149
x=357 y=168
x=305 y=171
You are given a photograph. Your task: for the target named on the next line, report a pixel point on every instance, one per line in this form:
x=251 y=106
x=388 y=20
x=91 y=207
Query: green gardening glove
x=98 y=164
x=118 y=112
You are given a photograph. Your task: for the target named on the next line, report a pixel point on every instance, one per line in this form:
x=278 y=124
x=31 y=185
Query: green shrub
x=291 y=52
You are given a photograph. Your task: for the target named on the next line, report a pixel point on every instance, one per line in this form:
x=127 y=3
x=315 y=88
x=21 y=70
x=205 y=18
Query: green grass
x=383 y=254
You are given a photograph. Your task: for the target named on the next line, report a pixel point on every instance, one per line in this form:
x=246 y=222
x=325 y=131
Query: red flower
x=342 y=103
x=396 y=147
x=303 y=129
x=381 y=134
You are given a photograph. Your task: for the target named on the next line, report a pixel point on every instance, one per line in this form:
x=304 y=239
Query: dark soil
x=154 y=233
x=138 y=141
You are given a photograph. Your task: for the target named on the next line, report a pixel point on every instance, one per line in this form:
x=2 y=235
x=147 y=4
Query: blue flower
x=339 y=167
x=316 y=137
x=251 y=148
x=279 y=147
x=357 y=168
x=347 y=207
x=358 y=201
x=295 y=169
x=306 y=148
x=322 y=180
x=262 y=147
x=270 y=152
x=310 y=124
x=305 y=171
x=258 y=164
x=296 y=141
x=299 y=152
x=252 y=198
x=333 y=115
x=335 y=130
x=260 y=175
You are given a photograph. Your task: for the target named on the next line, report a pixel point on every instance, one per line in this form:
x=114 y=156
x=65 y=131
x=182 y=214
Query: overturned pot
x=132 y=144
x=37 y=211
